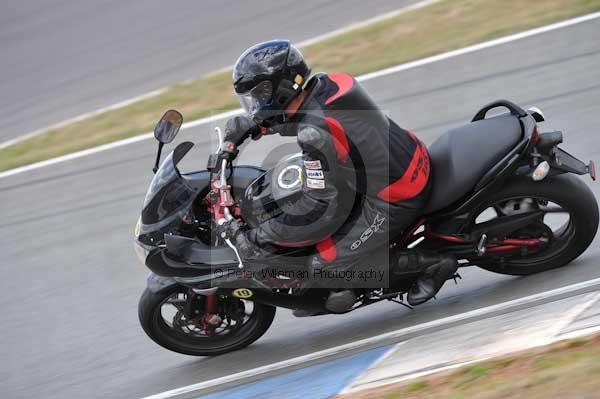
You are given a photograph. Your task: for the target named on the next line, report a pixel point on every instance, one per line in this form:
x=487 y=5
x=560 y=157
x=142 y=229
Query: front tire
x=573 y=195
x=171 y=336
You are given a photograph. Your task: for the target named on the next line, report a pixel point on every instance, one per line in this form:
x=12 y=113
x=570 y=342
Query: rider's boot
x=434 y=270
x=340 y=301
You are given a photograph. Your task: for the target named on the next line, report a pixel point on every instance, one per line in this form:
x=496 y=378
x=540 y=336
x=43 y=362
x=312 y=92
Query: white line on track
x=580 y=332
x=374 y=341
x=154 y=93
x=552 y=338
x=362 y=78
x=367 y=22
x=81 y=117
x=480 y=46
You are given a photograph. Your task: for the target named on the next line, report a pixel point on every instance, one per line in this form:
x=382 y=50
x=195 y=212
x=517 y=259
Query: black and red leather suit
x=365 y=179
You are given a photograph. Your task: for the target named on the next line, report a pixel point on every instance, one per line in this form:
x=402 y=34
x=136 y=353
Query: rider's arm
x=239 y=128
x=311 y=217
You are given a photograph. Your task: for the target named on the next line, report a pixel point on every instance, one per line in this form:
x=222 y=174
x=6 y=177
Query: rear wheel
x=174 y=322
x=567 y=227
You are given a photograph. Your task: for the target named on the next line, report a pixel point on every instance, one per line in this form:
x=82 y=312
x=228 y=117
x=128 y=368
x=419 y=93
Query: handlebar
x=225 y=200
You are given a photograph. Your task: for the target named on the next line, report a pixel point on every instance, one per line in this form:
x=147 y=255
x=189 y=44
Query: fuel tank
x=268 y=195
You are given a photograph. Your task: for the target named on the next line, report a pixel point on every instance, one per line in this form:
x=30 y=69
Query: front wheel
x=174 y=321
x=568 y=226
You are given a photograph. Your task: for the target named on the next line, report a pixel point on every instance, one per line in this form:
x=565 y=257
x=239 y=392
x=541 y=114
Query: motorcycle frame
x=508 y=167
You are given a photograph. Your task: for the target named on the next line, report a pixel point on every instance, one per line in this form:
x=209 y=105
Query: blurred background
x=70 y=279
x=62 y=59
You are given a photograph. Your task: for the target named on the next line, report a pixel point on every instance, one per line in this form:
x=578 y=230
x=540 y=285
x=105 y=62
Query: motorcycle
x=514 y=206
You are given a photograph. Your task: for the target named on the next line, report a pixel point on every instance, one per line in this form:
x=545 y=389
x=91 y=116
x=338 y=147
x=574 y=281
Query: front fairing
x=168 y=200
x=150 y=241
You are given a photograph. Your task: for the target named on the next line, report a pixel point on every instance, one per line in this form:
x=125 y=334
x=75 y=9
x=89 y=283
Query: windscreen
x=169 y=193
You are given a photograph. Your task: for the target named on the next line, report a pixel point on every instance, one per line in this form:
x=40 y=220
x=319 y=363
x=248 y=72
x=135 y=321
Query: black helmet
x=267 y=77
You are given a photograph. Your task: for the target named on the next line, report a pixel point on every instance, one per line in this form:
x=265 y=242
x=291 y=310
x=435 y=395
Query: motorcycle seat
x=463 y=155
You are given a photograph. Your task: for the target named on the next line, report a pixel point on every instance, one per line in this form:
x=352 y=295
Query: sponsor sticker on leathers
x=312 y=164
x=314 y=183
x=314 y=174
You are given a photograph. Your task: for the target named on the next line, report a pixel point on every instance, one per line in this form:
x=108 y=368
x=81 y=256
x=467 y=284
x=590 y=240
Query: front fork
x=211 y=317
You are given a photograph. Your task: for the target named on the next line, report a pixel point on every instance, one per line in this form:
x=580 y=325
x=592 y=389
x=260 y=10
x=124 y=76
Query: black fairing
x=158 y=284
x=171 y=198
x=155 y=261
x=168 y=193
x=268 y=195
x=193 y=251
x=171 y=195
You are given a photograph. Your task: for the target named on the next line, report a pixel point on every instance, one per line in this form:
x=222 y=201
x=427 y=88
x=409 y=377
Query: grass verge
x=568 y=369
x=443 y=26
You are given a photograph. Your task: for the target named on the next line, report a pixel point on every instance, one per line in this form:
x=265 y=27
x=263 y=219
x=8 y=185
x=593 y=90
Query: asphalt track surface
x=64 y=58
x=70 y=280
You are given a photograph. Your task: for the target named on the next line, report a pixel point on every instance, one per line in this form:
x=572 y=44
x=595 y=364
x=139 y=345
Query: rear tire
x=151 y=320
x=572 y=194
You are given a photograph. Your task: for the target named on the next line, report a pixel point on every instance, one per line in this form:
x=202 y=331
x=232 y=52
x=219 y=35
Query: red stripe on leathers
x=413 y=180
x=327 y=249
x=344 y=83
x=340 y=141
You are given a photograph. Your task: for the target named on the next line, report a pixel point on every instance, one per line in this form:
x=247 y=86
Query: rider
x=364 y=179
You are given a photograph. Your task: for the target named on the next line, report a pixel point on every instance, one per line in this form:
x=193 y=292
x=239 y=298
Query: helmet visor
x=256 y=99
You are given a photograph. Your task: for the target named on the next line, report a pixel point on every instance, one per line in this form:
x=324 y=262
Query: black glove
x=239 y=128
x=234 y=231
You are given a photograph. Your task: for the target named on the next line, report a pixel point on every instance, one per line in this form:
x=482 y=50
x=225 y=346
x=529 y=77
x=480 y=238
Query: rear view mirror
x=168 y=126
